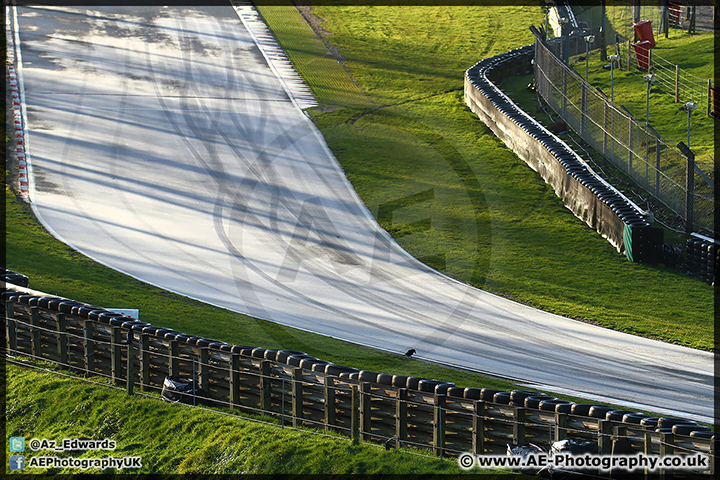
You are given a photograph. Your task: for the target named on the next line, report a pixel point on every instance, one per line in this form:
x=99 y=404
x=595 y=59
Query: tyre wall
x=590 y=198
x=701 y=258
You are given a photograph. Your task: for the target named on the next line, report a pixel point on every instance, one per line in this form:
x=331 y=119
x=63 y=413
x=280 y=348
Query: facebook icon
x=17 y=462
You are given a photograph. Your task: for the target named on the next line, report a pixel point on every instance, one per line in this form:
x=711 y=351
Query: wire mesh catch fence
x=637 y=150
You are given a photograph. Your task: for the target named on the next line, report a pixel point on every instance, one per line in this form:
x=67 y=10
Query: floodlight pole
x=613 y=59
x=588 y=40
x=689 y=106
x=649 y=79
x=565 y=39
x=690 y=173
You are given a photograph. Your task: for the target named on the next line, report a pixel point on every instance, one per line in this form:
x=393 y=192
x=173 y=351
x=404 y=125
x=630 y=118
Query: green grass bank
x=178 y=439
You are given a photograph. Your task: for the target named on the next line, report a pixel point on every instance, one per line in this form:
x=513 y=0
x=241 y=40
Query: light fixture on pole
x=589 y=39
x=613 y=59
x=565 y=40
x=689 y=106
x=649 y=79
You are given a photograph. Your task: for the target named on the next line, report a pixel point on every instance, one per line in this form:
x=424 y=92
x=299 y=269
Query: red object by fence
x=674 y=9
x=644 y=31
x=642 y=53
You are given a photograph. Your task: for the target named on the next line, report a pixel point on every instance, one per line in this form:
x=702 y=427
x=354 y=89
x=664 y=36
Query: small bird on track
x=410 y=352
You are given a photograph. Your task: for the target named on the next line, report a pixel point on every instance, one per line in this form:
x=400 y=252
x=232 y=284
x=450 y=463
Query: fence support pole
x=89 y=346
x=401 y=412
x=144 y=361
x=130 y=380
x=203 y=373
x=264 y=385
x=519 y=425
x=690 y=193
x=173 y=361
x=329 y=403
x=35 y=334
x=11 y=326
x=630 y=151
x=62 y=340
x=605 y=126
x=713 y=448
x=629 y=55
x=561 y=423
x=709 y=98
x=564 y=94
x=603 y=51
x=647 y=450
x=605 y=436
x=439 y=424
x=677 y=83
x=583 y=111
x=620 y=435
x=657 y=168
x=297 y=397
x=478 y=429
x=116 y=354
x=365 y=400
x=355 y=416
x=234 y=393
x=667 y=447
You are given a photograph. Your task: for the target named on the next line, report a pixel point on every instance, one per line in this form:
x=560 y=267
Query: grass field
x=181 y=440
x=495 y=223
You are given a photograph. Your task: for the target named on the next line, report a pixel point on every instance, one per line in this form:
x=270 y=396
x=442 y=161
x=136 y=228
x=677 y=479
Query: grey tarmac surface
x=163 y=146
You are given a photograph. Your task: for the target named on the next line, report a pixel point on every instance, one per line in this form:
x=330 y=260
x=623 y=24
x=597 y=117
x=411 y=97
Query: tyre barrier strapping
x=266 y=381
x=587 y=195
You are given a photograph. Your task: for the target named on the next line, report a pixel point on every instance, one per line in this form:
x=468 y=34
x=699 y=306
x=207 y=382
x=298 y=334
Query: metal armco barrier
x=301 y=390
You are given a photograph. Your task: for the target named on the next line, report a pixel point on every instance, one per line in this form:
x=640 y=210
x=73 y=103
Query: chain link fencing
x=637 y=150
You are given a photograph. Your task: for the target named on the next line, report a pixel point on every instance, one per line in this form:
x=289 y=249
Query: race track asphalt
x=163 y=146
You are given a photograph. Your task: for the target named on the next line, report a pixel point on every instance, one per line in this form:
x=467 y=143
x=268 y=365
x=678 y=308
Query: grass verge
x=178 y=439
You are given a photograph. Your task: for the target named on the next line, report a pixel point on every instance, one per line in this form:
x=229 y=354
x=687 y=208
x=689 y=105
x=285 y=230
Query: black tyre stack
x=701 y=257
